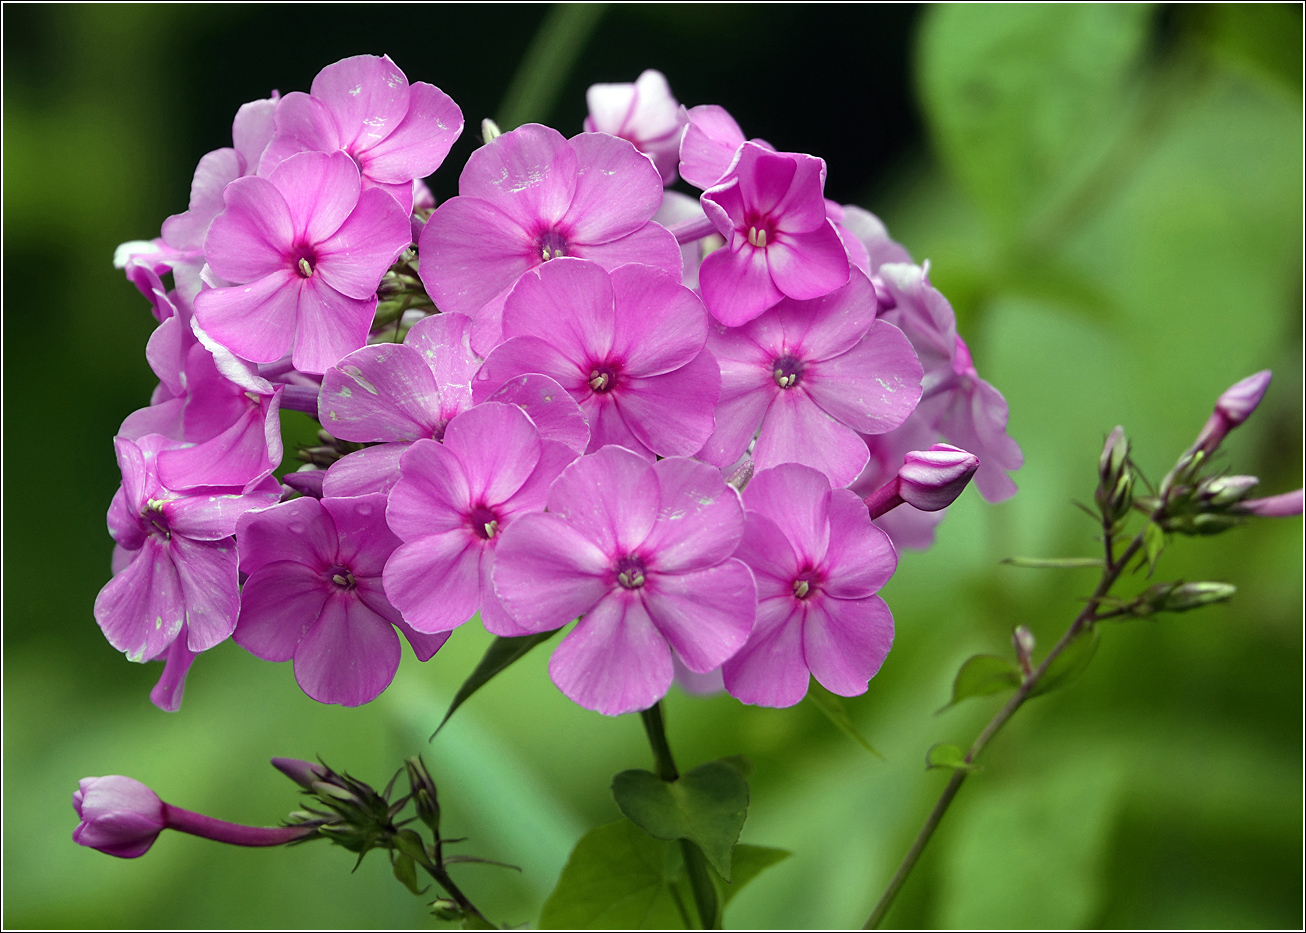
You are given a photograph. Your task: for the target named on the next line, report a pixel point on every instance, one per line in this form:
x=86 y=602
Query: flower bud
x=119 y=816
x=1280 y=506
x=423 y=793
x=446 y=909
x=932 y=479
x=303 y=773
x=490 y=131
x=1225 y=490
x=1180 y=597
x=740 y=477
x=1115 y=453
x=1232 y=408
x=1023 y=639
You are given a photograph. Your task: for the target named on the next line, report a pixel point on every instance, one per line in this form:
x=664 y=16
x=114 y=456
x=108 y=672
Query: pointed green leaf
x=1154 y=542
x=833 y=707
x=1054 y=563
x=706 y=806
x=981 y=675
x=406 y=872
x=749 y=862
x=1069 y=664
x=502 y=654
x=947 y=756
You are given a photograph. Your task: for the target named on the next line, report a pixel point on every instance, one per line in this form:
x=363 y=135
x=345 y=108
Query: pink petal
x=178 y=659
x=797 y=499
x=444 y=342
x=254 y=235
x=747 y=389
x=242 y=455
x=141 y=610
x=608 y=428
x=795 y=430
x=736 y=284
x=494 y=616
x=280 y=602
x=523 y=355
x=672 y=414
x=766 y=550
x=367 y=95
x=802 y=206
x=421 y=141
x=365 y=539
x=831 y=325
x=215 y=171
x=497 y=446
x=770 y=670
x=873 y=387
x=330 y=325
x=256 y=321
x=650 y=245
x=349 y=657
x=845 y=641
x=473 y=252
x=528 y=174
x=546 y=572
x=212 y=516
x=165 y=418
x=533 y=493
x=300 y=124
x=321 y=189
x=298 y=530
x=765 y=178
x=567 y=303
x=135 y=476
x=618 y=190
x=549 y=405
x=252 y=130
x=372 y=469
x=659 y=325
x=860 y=559
x=700 y=518
x=209 y=585
x=431 y=495
x=706 y=615
x=435 y=580
x=353 y=259
x=423 y=645
x=808 y=265
x=384 y=392
x=615 y=660
x=709 y=145
x=610 y=497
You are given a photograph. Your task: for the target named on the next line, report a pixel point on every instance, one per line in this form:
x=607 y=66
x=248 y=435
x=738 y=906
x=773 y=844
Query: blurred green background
x=1110 y=196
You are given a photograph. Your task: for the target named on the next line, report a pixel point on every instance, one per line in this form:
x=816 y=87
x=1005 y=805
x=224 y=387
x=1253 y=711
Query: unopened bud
x=1280 y=506
x=1232 y=408
x=1226 y=490
x=1181 y=597
x=424 y=793
x=490 y=131
x=1023 y=639
x=932 y=479
x=740 y=477
x=1115 y=453
x=446 y=909
x=303 y=773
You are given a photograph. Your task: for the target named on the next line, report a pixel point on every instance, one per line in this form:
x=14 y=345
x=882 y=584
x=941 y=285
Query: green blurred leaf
x=947 y=756
x=706 y=805
x=748 y=863
x=1153 y=544
x=619 y=877
x=1053 y=563
x=406 y=872
x=502 y=654
x=981 y=675
x=832 y=706
x=1069 y=664
x=1017 y=93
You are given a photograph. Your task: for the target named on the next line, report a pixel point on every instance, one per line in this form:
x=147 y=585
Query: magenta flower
x=395 y=132
x=811 y=375
x=451 y=506
x=531 y=196
x=305 y=249
x=642 y=552
x=628 y=345
x=645 y=113
x=779 y=242
x=122 y=817
x=314 y=594
x=818 y=561
x=177 y=563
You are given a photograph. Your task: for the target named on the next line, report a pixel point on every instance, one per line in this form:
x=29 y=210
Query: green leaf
x=833 y=707
x=502 y=654
x=406 y=872
x=748 y=863
x=1069 y=664
x=1154 y=543
x=706 y=806
x=947 y=756
x=619 y=877
x=1054 y=563
x=411 y=845
x=981 y=675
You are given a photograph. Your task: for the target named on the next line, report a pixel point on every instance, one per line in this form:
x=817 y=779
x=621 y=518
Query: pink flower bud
x=1280 y=506
x=1232 y=408
x=933 y=479
x=119 y=816
x=303 y=773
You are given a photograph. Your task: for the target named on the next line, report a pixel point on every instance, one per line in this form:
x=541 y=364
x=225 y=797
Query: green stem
x=548 y=61
x=705 y=898
x=442 y=878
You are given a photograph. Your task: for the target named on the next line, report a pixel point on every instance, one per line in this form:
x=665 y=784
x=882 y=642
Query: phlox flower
x=818 y=561
x=709 y=143
x=451 y=506
x=304 y=250
x=779 y=243
x=314 y=595
x=642 y=553
x=531 y=196
x=811 y=375
x=175 y=564
x=364 y=106
x=628 y=345
x=644 y=113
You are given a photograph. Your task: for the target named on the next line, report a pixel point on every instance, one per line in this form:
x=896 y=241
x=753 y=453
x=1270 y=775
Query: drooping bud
x=1232 y=408
x=1280 y=506
x=118 y=815
x=303 y=773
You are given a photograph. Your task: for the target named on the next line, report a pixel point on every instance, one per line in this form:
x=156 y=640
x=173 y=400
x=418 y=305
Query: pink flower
x=305 y=249
x=1234 y=406
x=811 y=375
x=642 y=552
x=314 y=594
x=176 y=560
x=452 y=504
x=644 y=113
x=629 y=346
x=532 y=196
x=779 y=242
x=394 y=132
x=709 y=144
x=818 y=561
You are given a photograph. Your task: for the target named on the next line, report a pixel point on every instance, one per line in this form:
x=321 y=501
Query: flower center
x=788 y=370
x=603 y=378
x=306 y=262
x=805 y=584
x=343 y=578
x=553 y=245
x=630 y=572
x=153 y=516
x=483 y=522
x=757 y=237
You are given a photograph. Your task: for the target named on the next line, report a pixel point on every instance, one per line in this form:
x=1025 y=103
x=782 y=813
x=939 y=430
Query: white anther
x=491 y=527
x=339 y=580
x=598 y=381
x=800 y=588
x=304 y=268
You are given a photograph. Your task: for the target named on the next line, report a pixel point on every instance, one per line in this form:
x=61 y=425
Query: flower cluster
x=542 y=400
